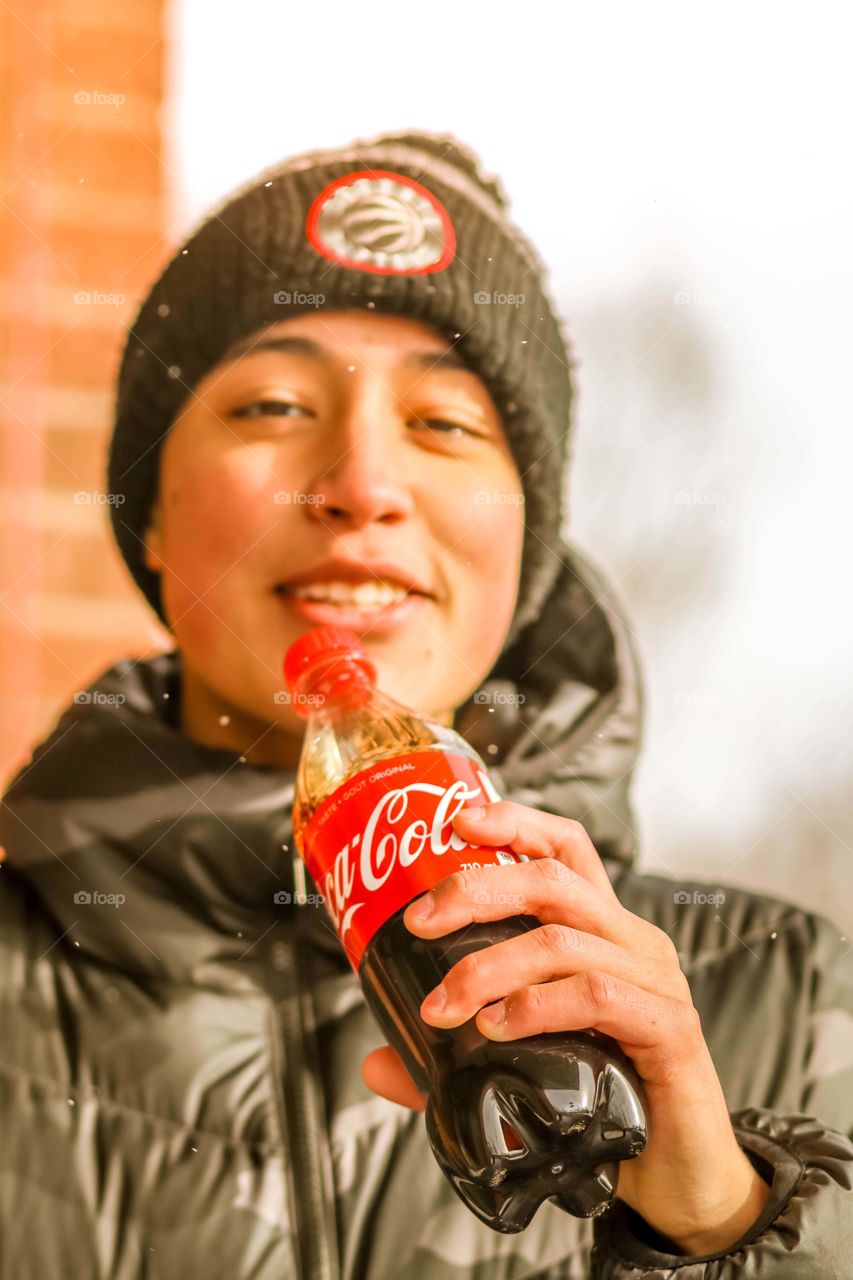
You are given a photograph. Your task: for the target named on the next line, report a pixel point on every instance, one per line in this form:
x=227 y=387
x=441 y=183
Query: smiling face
x=341 y=436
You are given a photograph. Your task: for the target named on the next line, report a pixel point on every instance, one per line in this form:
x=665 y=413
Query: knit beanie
x=405 y=224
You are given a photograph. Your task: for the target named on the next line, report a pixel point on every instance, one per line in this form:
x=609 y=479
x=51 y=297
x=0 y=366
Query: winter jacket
x=182 y=1035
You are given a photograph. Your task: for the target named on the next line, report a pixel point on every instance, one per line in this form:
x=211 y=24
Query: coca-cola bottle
x=510 y=1123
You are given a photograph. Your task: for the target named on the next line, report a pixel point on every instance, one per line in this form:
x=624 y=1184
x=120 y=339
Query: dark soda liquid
x=510 y=1122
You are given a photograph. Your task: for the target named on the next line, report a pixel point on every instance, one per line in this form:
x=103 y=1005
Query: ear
x=153 y=554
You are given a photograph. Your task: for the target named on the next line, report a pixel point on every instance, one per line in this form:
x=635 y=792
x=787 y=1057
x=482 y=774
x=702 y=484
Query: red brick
x=83 y=354
x=105 y=159
x=120 y=262
x=58 y=233
x=143 y=18
x=74 y=461
x=124 y=63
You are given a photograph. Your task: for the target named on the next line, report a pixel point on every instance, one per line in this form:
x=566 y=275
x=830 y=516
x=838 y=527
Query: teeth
x=364 y=595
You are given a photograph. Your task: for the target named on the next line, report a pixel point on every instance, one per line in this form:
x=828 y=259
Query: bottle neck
x=336 y=686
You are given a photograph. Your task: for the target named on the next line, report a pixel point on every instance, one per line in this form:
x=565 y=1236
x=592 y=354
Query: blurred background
x=685 y=172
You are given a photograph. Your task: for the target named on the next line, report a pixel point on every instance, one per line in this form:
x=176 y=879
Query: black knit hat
x=406 y=224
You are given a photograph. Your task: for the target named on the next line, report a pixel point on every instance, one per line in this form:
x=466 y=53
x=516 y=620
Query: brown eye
x=269 y=409
x=445 y=426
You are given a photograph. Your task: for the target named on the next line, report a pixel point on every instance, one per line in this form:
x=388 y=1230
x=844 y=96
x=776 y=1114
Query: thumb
x=383 y=1072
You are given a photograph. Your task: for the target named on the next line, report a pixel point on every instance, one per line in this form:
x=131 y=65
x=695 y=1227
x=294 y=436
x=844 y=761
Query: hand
x=592 y=963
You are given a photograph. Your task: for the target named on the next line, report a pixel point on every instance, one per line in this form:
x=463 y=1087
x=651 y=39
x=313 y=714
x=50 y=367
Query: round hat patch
x=384 y=222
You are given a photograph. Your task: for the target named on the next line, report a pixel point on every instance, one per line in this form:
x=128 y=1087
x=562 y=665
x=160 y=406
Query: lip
x=373 y=621
x=339 y=569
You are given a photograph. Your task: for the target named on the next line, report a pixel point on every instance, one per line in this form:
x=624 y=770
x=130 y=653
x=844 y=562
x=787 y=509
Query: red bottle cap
x=317 y=646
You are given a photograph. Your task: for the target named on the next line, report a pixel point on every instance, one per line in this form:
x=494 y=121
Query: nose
x=362 y=478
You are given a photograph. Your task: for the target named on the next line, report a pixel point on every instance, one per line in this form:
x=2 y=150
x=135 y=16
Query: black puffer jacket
x=180 y=1084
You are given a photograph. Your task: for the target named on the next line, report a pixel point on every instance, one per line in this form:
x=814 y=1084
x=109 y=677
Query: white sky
x=646 y=150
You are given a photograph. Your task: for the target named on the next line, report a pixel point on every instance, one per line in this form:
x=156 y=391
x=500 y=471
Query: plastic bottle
x=510 y=1123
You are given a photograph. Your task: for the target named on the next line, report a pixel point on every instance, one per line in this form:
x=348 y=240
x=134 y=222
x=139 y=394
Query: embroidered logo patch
x=375 y=220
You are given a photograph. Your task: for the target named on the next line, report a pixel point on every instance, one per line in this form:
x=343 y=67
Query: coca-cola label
x=385 y=836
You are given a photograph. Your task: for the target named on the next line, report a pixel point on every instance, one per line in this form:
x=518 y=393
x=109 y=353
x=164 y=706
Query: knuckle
x=599 y=988
x=658 y=944
x=525 y=1004
x=667 y=949
x=466 y=882
x=557 y=939
x=466 y=973
x=685 y=1028
x=554 y=872
x=683 y=991
x=688 y=1019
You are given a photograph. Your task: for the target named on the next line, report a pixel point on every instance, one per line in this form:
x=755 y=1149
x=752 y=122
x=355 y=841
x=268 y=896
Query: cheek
x=488 y=555
x=213 y=511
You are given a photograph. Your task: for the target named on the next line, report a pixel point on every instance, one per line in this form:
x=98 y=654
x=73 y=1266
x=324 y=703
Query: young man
x=351 y=373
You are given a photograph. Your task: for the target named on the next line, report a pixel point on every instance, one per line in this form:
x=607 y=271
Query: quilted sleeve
x=805 y=1231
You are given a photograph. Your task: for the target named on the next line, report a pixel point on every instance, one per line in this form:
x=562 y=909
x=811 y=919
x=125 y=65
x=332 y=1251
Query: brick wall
x=82 y=234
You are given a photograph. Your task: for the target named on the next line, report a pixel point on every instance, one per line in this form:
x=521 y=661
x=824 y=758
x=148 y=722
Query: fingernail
x=437 y=999
x=494 y=1014
x=476 y=813
x=423 y=907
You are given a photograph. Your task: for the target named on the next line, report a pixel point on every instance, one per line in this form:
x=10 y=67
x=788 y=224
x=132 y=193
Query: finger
x=662 y=1036
x=383 y=1072
x=537 y=835
x=543 y=955
x=545 y=888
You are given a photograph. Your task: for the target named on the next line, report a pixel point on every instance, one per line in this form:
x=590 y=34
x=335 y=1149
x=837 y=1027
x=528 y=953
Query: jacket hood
x=153 y=852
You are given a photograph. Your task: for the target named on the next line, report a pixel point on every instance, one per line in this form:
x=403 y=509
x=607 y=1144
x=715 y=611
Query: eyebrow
x=449 y=359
